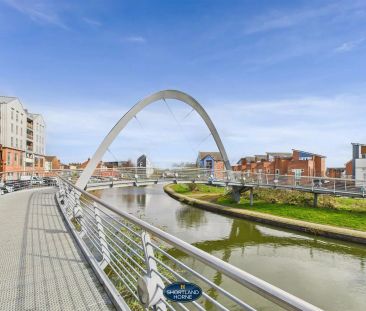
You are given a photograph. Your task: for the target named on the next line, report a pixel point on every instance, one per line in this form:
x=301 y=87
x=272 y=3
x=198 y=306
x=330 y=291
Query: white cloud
x=288 y=18
x=134 y=39
x=349 y=46
x=92 y=22
x=324 y=125
x=37 y=10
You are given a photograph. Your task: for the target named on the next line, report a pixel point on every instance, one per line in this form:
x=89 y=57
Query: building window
x=297 y=173
x=15 y=158
x=209 y=164
x=12 y=127
x=17 y=116
x=12 y=114
x=16 y=129
x=8 y=159
x=12 y=141
x=21 y=159
x=16 y=142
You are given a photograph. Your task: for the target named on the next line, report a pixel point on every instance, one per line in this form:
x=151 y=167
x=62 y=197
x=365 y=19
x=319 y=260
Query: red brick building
x=52 y=163
x=298 y=163
x=306 y=164
x=349 y=169
x=11 y=160
x=336 y=172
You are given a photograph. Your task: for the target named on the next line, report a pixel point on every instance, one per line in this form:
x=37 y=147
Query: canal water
x=325 y=272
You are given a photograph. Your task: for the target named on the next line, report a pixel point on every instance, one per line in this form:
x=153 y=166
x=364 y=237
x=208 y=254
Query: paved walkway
x=41 y=267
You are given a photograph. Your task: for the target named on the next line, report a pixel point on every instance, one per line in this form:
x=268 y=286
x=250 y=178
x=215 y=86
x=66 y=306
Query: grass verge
x=334 y=211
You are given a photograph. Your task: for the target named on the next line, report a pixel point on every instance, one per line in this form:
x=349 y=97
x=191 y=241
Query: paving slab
x=41 y=266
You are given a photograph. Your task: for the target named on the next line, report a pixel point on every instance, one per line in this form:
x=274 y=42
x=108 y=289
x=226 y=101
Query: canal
x=328 y=273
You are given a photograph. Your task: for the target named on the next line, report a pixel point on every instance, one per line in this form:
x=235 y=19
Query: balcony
x=29 y=136
x=30 y=126
x=29 y=149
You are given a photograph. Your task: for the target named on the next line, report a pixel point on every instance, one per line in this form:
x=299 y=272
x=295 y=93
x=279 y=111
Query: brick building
x=306 y=164
x=11 y=160
x=349 y=169
x=52 y=163
x=336 y=172
x=299 y=163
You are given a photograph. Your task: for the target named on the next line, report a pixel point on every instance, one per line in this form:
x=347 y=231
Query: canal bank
x=298 y=225
x=329 y=273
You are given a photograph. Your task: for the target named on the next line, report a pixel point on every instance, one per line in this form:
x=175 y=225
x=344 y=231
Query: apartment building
x=307 y=164
x=22 y=137
x=298 y=163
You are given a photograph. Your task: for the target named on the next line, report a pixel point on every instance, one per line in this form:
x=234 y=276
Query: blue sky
x=273 y=75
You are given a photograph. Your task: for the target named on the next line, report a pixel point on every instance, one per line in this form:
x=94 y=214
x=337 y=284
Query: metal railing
x=140 y=260
x=19 y=180
x=104 y=177
x=323 y=185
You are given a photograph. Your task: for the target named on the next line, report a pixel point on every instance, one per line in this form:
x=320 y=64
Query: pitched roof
x=214 y=155
x=259 y=157
x=248 y=159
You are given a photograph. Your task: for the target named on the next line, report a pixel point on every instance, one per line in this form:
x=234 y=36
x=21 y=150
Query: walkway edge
x=111 y=291
x=293 y=224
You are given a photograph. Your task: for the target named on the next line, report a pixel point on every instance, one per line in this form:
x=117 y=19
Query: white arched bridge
x=65 y=249
x=93 y=178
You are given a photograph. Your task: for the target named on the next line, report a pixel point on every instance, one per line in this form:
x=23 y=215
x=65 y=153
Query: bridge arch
x=166 y=94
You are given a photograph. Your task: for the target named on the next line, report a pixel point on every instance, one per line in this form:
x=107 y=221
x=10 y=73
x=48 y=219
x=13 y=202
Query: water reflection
x=326 y=272
x=188 y=219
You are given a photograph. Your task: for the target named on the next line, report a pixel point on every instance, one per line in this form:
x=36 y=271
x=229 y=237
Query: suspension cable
x=186 y=116
x=112 y=154
x=148 y=151
x=203 y=140
x=180 y=127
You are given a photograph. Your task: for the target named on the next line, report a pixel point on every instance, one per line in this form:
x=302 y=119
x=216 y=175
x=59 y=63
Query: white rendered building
x=22 y=136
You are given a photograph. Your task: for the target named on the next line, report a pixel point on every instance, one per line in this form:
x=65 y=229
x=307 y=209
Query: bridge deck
x=41 y=267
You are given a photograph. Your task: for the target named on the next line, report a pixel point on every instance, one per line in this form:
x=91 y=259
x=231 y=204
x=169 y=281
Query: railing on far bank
x=324 y=185
x=112 y=177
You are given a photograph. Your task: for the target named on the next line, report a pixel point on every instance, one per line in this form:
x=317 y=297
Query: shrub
x=192 y=187
x=291 y=197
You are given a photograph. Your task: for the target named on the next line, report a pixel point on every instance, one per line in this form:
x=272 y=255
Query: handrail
x=271 y=292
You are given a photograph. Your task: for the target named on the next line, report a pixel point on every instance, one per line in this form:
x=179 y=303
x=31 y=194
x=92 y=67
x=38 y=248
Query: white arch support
x=167 y=94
